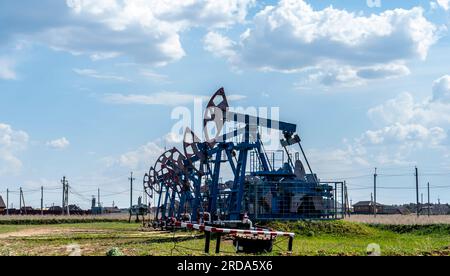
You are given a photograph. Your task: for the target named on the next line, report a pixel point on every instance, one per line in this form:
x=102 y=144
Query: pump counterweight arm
x=260 y=122
x=217 y=112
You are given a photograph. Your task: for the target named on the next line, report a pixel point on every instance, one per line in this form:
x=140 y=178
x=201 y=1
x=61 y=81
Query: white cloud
x=400 y=109
x=384 y=71
x=348 y=76
x=441 y=89
x=42 y=182
x=159 y=78
x=11 y=139
x=293 y=37
x=96 y=75
x=147 y=31
x=11 y=142
x=139 y=159
x=403 y=126
x=335 y=76
x=219 y=45
x=404 y=109
x=161 y=98
x=104 y=55
x=445 y=4
x=236 y=97
x=7 y=69
x=173 y=138
x=413 y=134
x=94 y=7
x=182 y=14
x=59 y=144
x=347 y=157
x=406 y=124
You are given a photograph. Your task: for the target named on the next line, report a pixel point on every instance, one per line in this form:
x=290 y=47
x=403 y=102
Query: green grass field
x=312 y=239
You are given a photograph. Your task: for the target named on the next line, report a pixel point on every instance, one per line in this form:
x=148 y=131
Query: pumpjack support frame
x=190 y=185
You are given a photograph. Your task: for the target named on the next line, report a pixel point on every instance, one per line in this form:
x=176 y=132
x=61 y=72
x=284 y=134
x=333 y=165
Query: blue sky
x=86 y=87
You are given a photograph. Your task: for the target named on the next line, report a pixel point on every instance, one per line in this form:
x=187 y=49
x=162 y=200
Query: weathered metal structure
x=188 y=184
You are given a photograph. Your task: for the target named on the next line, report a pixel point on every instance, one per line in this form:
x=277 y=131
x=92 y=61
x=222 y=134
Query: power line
x=399 y=188
x=81 y=197
x=118 y=193
x=395 y=175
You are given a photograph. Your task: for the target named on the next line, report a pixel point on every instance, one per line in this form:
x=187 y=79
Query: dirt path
x=28 y=233
x=51 y=231
x=32 y=232
x=41 y=231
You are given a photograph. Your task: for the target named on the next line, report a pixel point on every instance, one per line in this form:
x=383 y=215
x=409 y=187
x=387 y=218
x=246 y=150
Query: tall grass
x=312 y=228
x=400 y=219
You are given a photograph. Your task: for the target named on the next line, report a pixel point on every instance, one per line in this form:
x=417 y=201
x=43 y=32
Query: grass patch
x=315 y=228
x=335 y=238
x=10 y=228
x=430 y=229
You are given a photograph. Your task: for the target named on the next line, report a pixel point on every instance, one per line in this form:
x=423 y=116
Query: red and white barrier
x=203 y=228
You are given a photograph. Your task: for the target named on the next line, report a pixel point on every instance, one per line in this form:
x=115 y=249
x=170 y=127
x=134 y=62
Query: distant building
x=96 y=210
x=2 y=205
x=55 y=209
x=393 y=210
x=110 y=210
x=104 y=210
x=428 y=209
x=367 y=207
x=26 y=210
x=74 y=208
x=435 y=209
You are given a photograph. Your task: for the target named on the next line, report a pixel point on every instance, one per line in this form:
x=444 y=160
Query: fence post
x=342 y=201
x=335 y=200
x=207 y=241
x=219 y=238
x=7 y=202
x=417 y=193
x=291 y=243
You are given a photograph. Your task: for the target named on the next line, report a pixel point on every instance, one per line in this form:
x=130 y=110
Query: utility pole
x=347 y=207
x=439 y=205
x=371 y=200
x=24 y=205
x=98 y=203
x=429 y=206
x=375 y=192
x=131 y=189
x=417 y=192
x=20 y=200
x=67 y=198
x=63 y=181
x=42 y=200
x=131 y=178
x=7 y=202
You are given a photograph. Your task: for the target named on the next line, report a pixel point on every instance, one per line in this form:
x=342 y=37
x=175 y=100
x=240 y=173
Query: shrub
x=313 y=228
x=114 y=252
